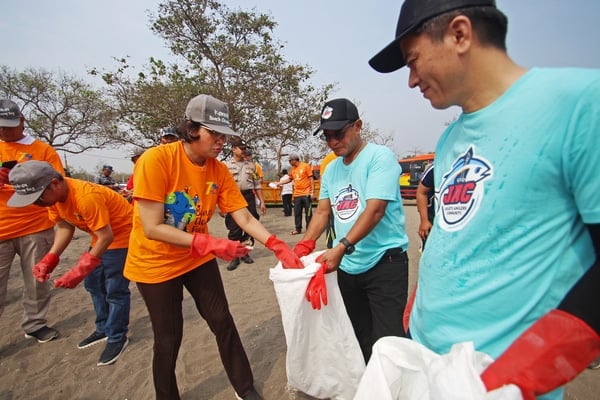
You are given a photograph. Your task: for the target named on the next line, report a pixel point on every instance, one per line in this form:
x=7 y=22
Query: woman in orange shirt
x=177 y=188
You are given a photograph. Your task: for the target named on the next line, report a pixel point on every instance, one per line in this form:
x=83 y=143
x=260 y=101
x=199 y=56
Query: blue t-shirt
x=373 y=174
x=515 y=184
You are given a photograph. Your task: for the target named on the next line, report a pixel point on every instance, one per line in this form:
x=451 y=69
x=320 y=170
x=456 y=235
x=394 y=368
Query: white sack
x=402 y=369
x=323 y=358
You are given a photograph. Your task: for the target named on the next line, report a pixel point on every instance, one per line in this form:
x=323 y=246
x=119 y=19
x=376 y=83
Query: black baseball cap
x=336 y=114
x=412 y=15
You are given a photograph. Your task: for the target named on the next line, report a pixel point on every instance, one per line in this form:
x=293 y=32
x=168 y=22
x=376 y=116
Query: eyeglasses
x=337 y=135
x=40 y=201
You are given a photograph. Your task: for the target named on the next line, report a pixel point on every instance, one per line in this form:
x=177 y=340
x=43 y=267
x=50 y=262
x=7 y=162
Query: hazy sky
x=336 y=38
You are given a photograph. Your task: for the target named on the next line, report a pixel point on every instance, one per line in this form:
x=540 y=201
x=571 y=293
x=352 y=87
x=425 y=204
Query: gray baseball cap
x=211 y=112
x=29 y=180
x=10 y=114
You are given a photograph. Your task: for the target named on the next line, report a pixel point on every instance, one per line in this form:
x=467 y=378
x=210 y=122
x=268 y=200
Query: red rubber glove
x=547 y=355
x=304 y=247
x=203 y=244
x=408 y=308
x=283 y=252
x=86 y=264
x=45 y=266
x=4 y=176
x=316 y=291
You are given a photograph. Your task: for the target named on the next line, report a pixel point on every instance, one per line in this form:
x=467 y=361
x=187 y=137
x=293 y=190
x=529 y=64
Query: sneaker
x=595 y=364
x=43 y=335
x=111 y=352
x=233 y=264
x=247 y=259
x=91 y=340
x=253 y=395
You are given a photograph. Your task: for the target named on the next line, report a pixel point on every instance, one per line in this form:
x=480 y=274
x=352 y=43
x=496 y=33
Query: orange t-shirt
x=22 y=221
x=190 y=194
x=91 y=207
x=302 y=175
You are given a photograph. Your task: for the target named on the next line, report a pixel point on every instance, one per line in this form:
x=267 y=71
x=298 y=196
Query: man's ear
x=460 y=32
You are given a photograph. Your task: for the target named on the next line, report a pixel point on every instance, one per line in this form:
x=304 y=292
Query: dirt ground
x=58 y=370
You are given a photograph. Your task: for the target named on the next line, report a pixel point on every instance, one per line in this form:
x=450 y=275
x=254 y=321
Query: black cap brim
x=331 y=126
x=389 y=59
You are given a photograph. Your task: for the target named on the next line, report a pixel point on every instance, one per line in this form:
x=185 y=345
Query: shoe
x=43 y=335
x=252 y=395
x=233 y=264
x=91 y=340
x=247 y=259
x=594 y=364
x=111 y=352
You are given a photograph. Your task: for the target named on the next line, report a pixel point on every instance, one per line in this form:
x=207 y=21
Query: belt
x=396 y=251
x=246 y=191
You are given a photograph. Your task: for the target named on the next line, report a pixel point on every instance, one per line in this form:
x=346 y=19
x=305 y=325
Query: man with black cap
x=244 y=174
x=26 y=231
x=361 y=189
x=511 y=262
x=168 y=135
x=105 y=179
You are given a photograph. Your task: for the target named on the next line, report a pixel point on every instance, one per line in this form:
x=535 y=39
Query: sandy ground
x=58 y=370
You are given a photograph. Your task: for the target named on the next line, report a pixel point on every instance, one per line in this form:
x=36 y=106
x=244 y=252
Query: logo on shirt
x=346 y=203
x=462 y=190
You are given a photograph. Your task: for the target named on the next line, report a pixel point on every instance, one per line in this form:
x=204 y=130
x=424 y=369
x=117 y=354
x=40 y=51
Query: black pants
x=164 y=303
x=302 y=203
x=375 y=300
x=235 y=232
x=287 y=204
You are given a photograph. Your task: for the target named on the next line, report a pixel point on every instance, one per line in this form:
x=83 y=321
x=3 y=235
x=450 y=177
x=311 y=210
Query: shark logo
x=346 y=203
x=462 y=190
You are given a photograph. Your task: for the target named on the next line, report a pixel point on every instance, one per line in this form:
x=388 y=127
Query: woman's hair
x=187 y=126
x=489 y=24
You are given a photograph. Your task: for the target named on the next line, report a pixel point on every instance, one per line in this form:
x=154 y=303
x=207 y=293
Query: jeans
x=36 y=295
x=110 y=294
x=375 y=300
x=164 y=301
x=302 y=203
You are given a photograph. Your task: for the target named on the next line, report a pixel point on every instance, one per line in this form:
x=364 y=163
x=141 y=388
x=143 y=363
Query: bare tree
x=61 y=110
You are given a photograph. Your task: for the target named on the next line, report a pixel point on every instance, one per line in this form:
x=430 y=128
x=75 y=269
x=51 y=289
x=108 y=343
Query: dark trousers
x=302 y=203
x=287 y=204
x=164 y=303
x=235 y=232
x=375 y=299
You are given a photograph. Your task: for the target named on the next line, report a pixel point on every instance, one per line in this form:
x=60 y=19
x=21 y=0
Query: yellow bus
x=412 y=169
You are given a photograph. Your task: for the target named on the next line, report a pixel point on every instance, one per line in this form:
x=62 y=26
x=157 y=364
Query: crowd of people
x=511 y=261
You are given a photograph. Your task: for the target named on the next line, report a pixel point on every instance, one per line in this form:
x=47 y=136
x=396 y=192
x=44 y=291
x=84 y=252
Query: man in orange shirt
x=304 y=190
x=106 y=216
x=18 y=234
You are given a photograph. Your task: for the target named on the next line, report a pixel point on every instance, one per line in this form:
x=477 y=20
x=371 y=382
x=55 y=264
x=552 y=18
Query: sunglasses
x=337 y=135
x=40 y=201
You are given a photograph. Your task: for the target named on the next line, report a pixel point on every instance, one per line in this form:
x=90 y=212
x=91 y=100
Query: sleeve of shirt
x=230 y=198
x=384 y=174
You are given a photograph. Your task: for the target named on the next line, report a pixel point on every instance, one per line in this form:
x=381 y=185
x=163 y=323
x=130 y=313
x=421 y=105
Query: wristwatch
x=349 y=246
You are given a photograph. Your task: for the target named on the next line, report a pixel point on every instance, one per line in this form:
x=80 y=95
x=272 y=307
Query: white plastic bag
x=323 y=357
x=402 y=369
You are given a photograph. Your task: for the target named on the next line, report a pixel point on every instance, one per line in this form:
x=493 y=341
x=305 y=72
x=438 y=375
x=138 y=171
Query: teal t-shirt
x=374 y=174
x=515 y=184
